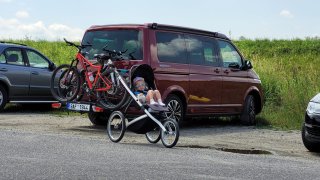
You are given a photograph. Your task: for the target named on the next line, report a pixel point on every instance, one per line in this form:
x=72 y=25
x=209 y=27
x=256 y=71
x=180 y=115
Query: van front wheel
x=176 y=108
x=248 y=116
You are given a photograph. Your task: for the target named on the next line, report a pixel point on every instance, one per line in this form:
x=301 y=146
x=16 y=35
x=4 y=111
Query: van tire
x=99 y=119
x=3 y=97
x=248 y=116
x=176 y=108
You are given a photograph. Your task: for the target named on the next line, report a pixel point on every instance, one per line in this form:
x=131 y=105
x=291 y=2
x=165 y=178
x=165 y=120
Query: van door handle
x=216 y=70
x=4 y=69
x=235 y=70
x=35 y=73
x=165 y=66
x=226 y=71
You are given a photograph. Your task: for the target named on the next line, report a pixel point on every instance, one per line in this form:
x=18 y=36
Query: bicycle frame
x=85 y=63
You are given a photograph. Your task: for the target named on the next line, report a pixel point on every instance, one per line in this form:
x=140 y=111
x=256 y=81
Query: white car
x=311 y=125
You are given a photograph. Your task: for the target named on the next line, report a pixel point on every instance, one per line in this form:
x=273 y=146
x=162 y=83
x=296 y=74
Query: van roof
x=162 y=27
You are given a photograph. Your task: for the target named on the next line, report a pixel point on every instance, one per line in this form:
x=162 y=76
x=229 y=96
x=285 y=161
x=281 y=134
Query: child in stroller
x=153 y=122
x=144 y=95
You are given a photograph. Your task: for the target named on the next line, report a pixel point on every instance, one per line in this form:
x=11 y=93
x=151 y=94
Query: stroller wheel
x=154 y=135
x=116 y=126
x=170 y=137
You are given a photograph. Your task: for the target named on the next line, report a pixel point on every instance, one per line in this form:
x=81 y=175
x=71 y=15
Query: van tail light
x=97 y=109
x=56 y=105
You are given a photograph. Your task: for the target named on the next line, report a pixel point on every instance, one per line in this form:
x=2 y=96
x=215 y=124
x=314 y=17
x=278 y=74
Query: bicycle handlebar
x=77 y=46
x=114 y=52
x=111 y=54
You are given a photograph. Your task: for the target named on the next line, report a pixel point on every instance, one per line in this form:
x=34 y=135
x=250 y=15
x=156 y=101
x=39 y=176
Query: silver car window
x=14 y=57
x=35 y=60
x=2 y=58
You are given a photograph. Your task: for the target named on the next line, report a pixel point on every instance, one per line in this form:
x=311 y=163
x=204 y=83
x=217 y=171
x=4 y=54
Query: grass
x=57 y=51
x=289 y=73
x=288 y=69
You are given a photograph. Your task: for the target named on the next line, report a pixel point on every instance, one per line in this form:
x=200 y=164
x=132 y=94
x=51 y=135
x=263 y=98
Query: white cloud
x=15 y=29
x=22 y=14
x=286 y=13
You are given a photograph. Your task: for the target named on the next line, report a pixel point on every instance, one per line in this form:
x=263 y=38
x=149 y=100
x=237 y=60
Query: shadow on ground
x=89 y=129
x=28 y=108
x=220 y=121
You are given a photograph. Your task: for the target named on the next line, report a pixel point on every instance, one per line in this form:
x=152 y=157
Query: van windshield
x=119 y=40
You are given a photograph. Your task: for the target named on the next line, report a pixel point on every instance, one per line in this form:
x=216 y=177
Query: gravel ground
x=193 y=134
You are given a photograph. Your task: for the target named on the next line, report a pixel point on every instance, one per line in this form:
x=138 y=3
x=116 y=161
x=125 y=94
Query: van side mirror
x=247 y=65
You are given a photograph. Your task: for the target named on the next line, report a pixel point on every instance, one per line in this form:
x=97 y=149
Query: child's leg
x=158 y=97
x=150 y=96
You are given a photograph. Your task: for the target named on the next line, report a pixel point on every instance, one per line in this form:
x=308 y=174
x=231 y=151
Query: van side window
x=201 y=51
x=129 y=41
x=171 y=47
x=229 y=54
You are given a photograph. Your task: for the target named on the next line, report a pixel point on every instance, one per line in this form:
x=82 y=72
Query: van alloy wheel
x=175 y=107
x=252 y=113
x=175 y=110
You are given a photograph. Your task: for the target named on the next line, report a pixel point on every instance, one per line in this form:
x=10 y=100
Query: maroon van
x=197 y=72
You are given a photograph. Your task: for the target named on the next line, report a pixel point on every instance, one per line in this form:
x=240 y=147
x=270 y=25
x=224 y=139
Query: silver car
x=24 y=75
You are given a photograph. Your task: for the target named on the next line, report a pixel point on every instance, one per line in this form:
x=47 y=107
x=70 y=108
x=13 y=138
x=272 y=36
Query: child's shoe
x=161 y=103
x=152 y=102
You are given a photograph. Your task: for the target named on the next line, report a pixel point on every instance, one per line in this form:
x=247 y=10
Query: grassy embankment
x=289 y=70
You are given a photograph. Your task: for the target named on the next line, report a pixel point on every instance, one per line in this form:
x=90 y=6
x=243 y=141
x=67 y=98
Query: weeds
x=289 y=72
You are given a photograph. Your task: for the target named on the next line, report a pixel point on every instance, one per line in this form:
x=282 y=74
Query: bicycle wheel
x=54 y=82
x=65 y=83
x=154 y=135
x=116 y=126
x=113 y=98
x=170 y=137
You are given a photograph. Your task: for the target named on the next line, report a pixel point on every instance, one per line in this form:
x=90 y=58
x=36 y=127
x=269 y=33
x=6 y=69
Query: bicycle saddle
x=101 y=56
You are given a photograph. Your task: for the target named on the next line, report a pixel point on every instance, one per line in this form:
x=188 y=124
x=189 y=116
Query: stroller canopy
x=144 y=71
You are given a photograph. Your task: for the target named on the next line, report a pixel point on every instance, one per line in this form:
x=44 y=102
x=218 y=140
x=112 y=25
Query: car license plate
x=78 y=107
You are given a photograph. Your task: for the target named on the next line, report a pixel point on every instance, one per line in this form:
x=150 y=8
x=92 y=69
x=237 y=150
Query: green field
x=289 y=70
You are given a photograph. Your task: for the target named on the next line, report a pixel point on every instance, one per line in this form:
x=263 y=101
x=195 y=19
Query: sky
x=253 y=19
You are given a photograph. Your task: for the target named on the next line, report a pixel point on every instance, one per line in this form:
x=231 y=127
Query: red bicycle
x=97 y=81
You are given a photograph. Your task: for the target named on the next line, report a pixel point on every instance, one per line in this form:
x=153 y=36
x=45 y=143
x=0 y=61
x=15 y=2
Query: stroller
x=153 y=122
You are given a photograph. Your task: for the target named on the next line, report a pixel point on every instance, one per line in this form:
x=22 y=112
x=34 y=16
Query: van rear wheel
x=176 y=108
x=99 y=119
